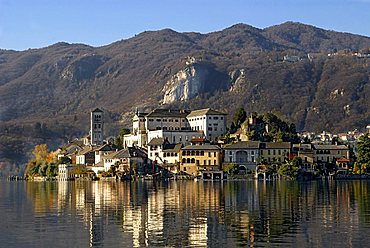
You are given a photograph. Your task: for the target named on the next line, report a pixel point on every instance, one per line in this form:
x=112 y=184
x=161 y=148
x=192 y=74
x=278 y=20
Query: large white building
x=176 y=126
x=211 y=122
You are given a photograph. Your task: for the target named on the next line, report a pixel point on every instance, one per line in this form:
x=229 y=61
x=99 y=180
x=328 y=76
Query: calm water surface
x=185 y=214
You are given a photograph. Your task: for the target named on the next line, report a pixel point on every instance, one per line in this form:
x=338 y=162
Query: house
x=274 y=152
x=198 y=158
x=163 y=152
x=126 y=159
x=103 y=150
x=306 y=153
x=244 y=153
x=211 y=122
x=64 y=172
x=86 y=156
x=342 y=165
x=329 y=153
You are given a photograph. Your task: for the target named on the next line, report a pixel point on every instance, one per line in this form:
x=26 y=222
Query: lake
x=185 y=214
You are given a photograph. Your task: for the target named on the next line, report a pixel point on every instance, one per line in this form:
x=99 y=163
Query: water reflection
x=185 y=213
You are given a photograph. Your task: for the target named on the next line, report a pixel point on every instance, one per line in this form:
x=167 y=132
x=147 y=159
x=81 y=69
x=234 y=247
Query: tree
x=291 y=168
x=41 y=154
x=363 y=152
x=118 y=141
x=239 y=117
x=232 y=168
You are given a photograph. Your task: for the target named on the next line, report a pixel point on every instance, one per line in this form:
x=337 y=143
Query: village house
x=64 y=172
x=198 y=158
x=306 y=153
x=163 y=152
x=126 y=159
x=329 y=153
x=86 y=156
x=274 y=152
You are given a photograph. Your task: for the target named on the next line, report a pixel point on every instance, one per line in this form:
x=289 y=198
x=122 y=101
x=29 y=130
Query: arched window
x=193 y=160
x=188 y=153
x=197 y=153
x=201 y=153
x=192 y=153
x=183 y=153
x=188 y=160
x=183 y=160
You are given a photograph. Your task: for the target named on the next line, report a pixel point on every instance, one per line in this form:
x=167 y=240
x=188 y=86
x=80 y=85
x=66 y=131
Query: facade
x=160 y=151
x=211 y=122
x=64 y=172
x=86 y=156
x=126 y=159
x=166 y=119
x=329 y=153
x=96 y=127
x=306 y=153
x=101 y=151
x=175 y=137
x=198 y=158
x=244 y=153
x=274 y=152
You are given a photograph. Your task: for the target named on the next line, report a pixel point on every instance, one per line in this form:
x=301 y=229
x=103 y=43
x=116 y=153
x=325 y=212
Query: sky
x=28 y=24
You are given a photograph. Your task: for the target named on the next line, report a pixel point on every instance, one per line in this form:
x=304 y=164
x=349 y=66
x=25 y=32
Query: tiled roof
x=201 y=112
x=172 y=148
x=243 y=145
x=85 y=150
x=201 y=147
x=330 y=147
x=156 y=142
x=275 y=145
x=345 y=160
x=168 y=113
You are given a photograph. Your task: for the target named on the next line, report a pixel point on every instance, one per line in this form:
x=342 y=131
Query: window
x=193 y=160
x=214 y=162
x=192 y=153
x=183 y=160
x=197 y=153
x=151 y=120
x=176 y=120
x=279 y=151
x=158 y=120
x=188 y=160
x=252 y=152
x=215 y=118
x=268 y=152
x=214 y=154
x=230 y=153
x=164 y=120
x=221 y=118
x=209 y=129
x=205 y=162
x=201 y=153
x=209 y=154
x=215 y=128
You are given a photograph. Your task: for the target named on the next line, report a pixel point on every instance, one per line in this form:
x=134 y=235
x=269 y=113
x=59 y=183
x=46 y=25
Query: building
x=163 y=152
x=274 y=152
x=198 y=158
x=103 y=150
x=126 y=159
x=86 y=156
x=306 y=153
x=138 y=137
x=64 y=172
x=329 y=153
x=244 y=153
x=183 y=137
x=166 y=119
x=211 y=122
x=96 y=127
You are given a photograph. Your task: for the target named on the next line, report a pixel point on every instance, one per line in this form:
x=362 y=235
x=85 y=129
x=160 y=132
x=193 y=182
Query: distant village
x=196 y=145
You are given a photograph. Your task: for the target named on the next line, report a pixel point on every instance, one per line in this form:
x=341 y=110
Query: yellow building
x=197 y=158
x=274 y=152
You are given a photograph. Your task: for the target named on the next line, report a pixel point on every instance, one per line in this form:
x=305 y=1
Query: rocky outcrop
x=237 y=79
x=187 y=83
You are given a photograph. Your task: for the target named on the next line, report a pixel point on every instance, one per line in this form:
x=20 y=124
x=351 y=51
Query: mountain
x=46 y=94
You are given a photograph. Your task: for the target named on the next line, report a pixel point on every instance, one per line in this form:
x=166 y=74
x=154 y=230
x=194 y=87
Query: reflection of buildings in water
x=145 y=222
x=197 y=235
x=63 y=195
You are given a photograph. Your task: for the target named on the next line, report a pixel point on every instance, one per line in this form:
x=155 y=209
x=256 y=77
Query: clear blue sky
x=37 y=23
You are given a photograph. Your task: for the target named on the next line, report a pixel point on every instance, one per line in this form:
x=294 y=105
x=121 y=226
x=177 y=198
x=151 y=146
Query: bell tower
x=96 y=127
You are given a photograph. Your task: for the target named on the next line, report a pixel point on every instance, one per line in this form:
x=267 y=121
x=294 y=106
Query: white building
x=211 y=122
x=162 y=152
x=64 y=172
x=184 y=137
x=166 y=119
